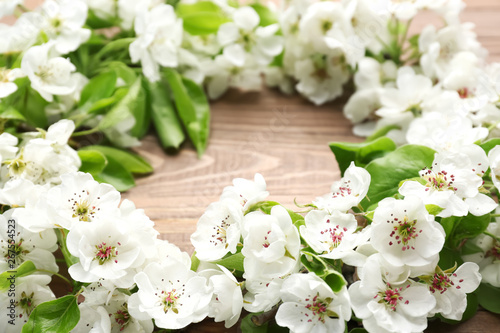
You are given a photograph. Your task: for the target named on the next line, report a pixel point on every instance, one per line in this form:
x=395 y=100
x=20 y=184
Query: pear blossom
x=8 y=143
x=108 y=314
x=245 y=35
x=79 y=198
x=271 y=243
x=321 y=77
x=489 y=258
x=333 y=236
x=7 y=76
x=450 y=288
x=105 y=250
x=227 y=300
x=246 y=192
x=7 y=7
x=36 y=247
x=159 y=36
x=410 y=92
x=63 y=24
x=44 y=156
x=494 y=162
x=233 y=68
x=347 y=192
x=438 y=47
x=405 y=233
x=309 y=305
x=386 y=307
x=453 y=183
x=218 y=230
x=171 y=294
x=23 y=34
x=30 y=291
x=49 y=74
x=444 y=131
x=163 y=250
x=263 y=293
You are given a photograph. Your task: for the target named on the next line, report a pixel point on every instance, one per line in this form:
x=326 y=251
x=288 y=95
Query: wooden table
x=282 y=137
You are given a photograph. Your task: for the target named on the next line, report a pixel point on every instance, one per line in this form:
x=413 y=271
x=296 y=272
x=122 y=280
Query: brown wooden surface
x=284 y=138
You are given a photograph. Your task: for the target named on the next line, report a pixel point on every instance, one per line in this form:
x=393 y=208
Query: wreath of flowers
x=407 y=235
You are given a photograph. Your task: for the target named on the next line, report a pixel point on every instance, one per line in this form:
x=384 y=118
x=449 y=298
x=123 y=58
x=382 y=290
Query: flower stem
x=87 y=132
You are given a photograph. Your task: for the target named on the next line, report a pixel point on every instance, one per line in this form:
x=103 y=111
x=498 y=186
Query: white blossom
x=49 y=74
x=159 y=36
x=218 y=230
x=309 y=305
x=171 y=294
x=405 y=233
x=453 y=183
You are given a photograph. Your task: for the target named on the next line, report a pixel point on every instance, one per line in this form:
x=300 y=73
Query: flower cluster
x=405 y=235
x=298 y=266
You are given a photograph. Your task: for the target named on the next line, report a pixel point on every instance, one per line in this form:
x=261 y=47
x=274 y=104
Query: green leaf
x=203 y=23
x=448 y=258
x=488 y=297
x=335 y=280
x=10 y=113
x=95 y=22
x=248 y=326
x=9 y=277
x=131 y=162
x=192 y=107
x=232 y=261
x=360 y=153
x=99 y=87
x=469 y=226
x=490 y=144
x=93 y=161
x=470 y=248
x=313 y=263
x=122 y=71
x=433 y=209
x=195 y=262
x=117 y=175
x=388 y=171
x=183 y=9
x=34 y=109
x=141 y=114
x=58 y=316
x=201 y=18
x=124 y=108
x=267 y=17
x=115 y=45
x=358 y=330
x=165 y=119
x=264 y=206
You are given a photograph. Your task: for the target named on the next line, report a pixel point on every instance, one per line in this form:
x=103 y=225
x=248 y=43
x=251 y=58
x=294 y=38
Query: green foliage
x=93 y=161
x=388 y=171
x=165 y=119
x=490 y=144
x=458 y=229
x=488 y=297
x=58 y=316
x=99 y=87
x=192 y=107
x=361 y=153
x=232 y=261
x=267 y=17
x=9 y=277
x=119 y=167
x=248 y=326
x=201 y=18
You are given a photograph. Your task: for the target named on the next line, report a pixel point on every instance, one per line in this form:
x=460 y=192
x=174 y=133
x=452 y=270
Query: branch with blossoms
x=120 y=69
x=407 y=235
